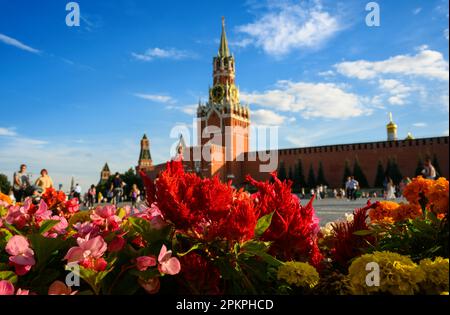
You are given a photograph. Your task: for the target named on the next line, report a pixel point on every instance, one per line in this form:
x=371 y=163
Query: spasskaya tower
x=223 y=122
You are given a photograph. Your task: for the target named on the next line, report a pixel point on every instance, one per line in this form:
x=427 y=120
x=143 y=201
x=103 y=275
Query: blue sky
x=73 y=98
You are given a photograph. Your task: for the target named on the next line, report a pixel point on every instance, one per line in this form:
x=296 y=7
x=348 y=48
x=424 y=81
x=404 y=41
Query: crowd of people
x=23 y=187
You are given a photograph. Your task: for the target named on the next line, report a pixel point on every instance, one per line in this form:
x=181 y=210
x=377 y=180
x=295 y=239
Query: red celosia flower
x=204 y=208
x=205 y=282
x=294 y=228
x=53 y=198
x=346 y=245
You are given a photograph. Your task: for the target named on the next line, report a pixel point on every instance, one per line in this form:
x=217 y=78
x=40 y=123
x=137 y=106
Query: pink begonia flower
x=19 y=215
x=106 y=216
x=144 y=262
x=86 y=228
x=6 y=288
x=88 y=252
x=168 y=264
x=151 y=286
x=23 y=292
x=58 y=229
x=43 y=213
x=116 y=244
x=60 y=288
x=22 y=256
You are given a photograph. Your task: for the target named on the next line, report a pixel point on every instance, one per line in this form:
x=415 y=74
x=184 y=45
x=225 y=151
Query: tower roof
x=224 y=51
x=144 y=137
x=106 y=168
x=391 y=122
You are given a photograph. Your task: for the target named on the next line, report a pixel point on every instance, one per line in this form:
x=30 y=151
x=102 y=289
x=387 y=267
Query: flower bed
x=201 y=236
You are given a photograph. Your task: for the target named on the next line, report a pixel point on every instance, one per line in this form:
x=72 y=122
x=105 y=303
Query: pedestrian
x=135 y=194
x=21 y=183
x=100 y=197
x=92 y=192
x=110 y=194
x=44 y=181
x=429 y=172
x=390 y=193
x=348 y=188
x=354 y=187
x=77 y=192
x=118 y=188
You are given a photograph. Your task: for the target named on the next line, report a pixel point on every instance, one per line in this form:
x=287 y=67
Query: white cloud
x=324 y=100
x=14 y=42
x=7 y=132
x=188 y=109
x=160 y=53
x=420 y=125
x=264 y=117
x=398 y=91
x=288 y=27
x=426 y=63
x=329 y=73
x=156 y=98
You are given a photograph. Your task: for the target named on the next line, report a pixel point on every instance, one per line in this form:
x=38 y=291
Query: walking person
x=21 y=183
x=110 y=194
x=77 y=192
x=135 y=194
x=118 y=188
x=354 y=187
x=390 y=193
x=44 y=181
x=92 y=192
x=429 y=172
x=348 y=188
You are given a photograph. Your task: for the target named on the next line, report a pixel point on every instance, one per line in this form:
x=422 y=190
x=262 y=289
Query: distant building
x=227 y=121
x=145 y=163
x=105 y=174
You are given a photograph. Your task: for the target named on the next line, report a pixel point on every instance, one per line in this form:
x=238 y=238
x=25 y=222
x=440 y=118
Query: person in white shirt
x=429 y=172
x=77 y=192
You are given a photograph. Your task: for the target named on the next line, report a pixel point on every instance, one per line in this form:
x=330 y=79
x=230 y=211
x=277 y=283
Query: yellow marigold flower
x=399 y=275
x=384 y=212
x=438 y=196
x=298 y=274
x=415 y=188
x=436 y=275
x=5 y=198
x=444 y=293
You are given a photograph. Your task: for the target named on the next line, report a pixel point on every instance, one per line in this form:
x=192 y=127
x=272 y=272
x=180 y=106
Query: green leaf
x=92 y=277
x=363 y=232
x=151 y=232
x=263 y=224
x=47 y=225
x=255 y=246
x=12 y=228
x=196 y=246
x=9 y=276
x=44 y=248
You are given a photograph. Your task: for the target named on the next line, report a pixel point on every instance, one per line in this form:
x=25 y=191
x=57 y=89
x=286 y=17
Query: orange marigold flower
x=438 y=196
x=417 y=189
x=407 y=211
x=5 y=198
x=384 y=212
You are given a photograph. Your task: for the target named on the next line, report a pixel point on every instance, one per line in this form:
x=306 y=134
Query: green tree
x=282 y=171
x=347 y=171
x=436 y=165
x=130 y=178
x=393 y=171
x=419 y=167
x=5 y=185
x=379 y=178
x=299 y=177
x=359 y=174
x=291 y=173
x=311 y=177
x=321 y=176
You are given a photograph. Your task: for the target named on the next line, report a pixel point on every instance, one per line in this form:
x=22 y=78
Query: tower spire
x=223 y=49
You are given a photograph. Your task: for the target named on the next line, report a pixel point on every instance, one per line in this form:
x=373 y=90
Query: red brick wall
x=406 y=152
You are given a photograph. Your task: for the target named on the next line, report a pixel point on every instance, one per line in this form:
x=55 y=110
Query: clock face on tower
x=217 y=93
